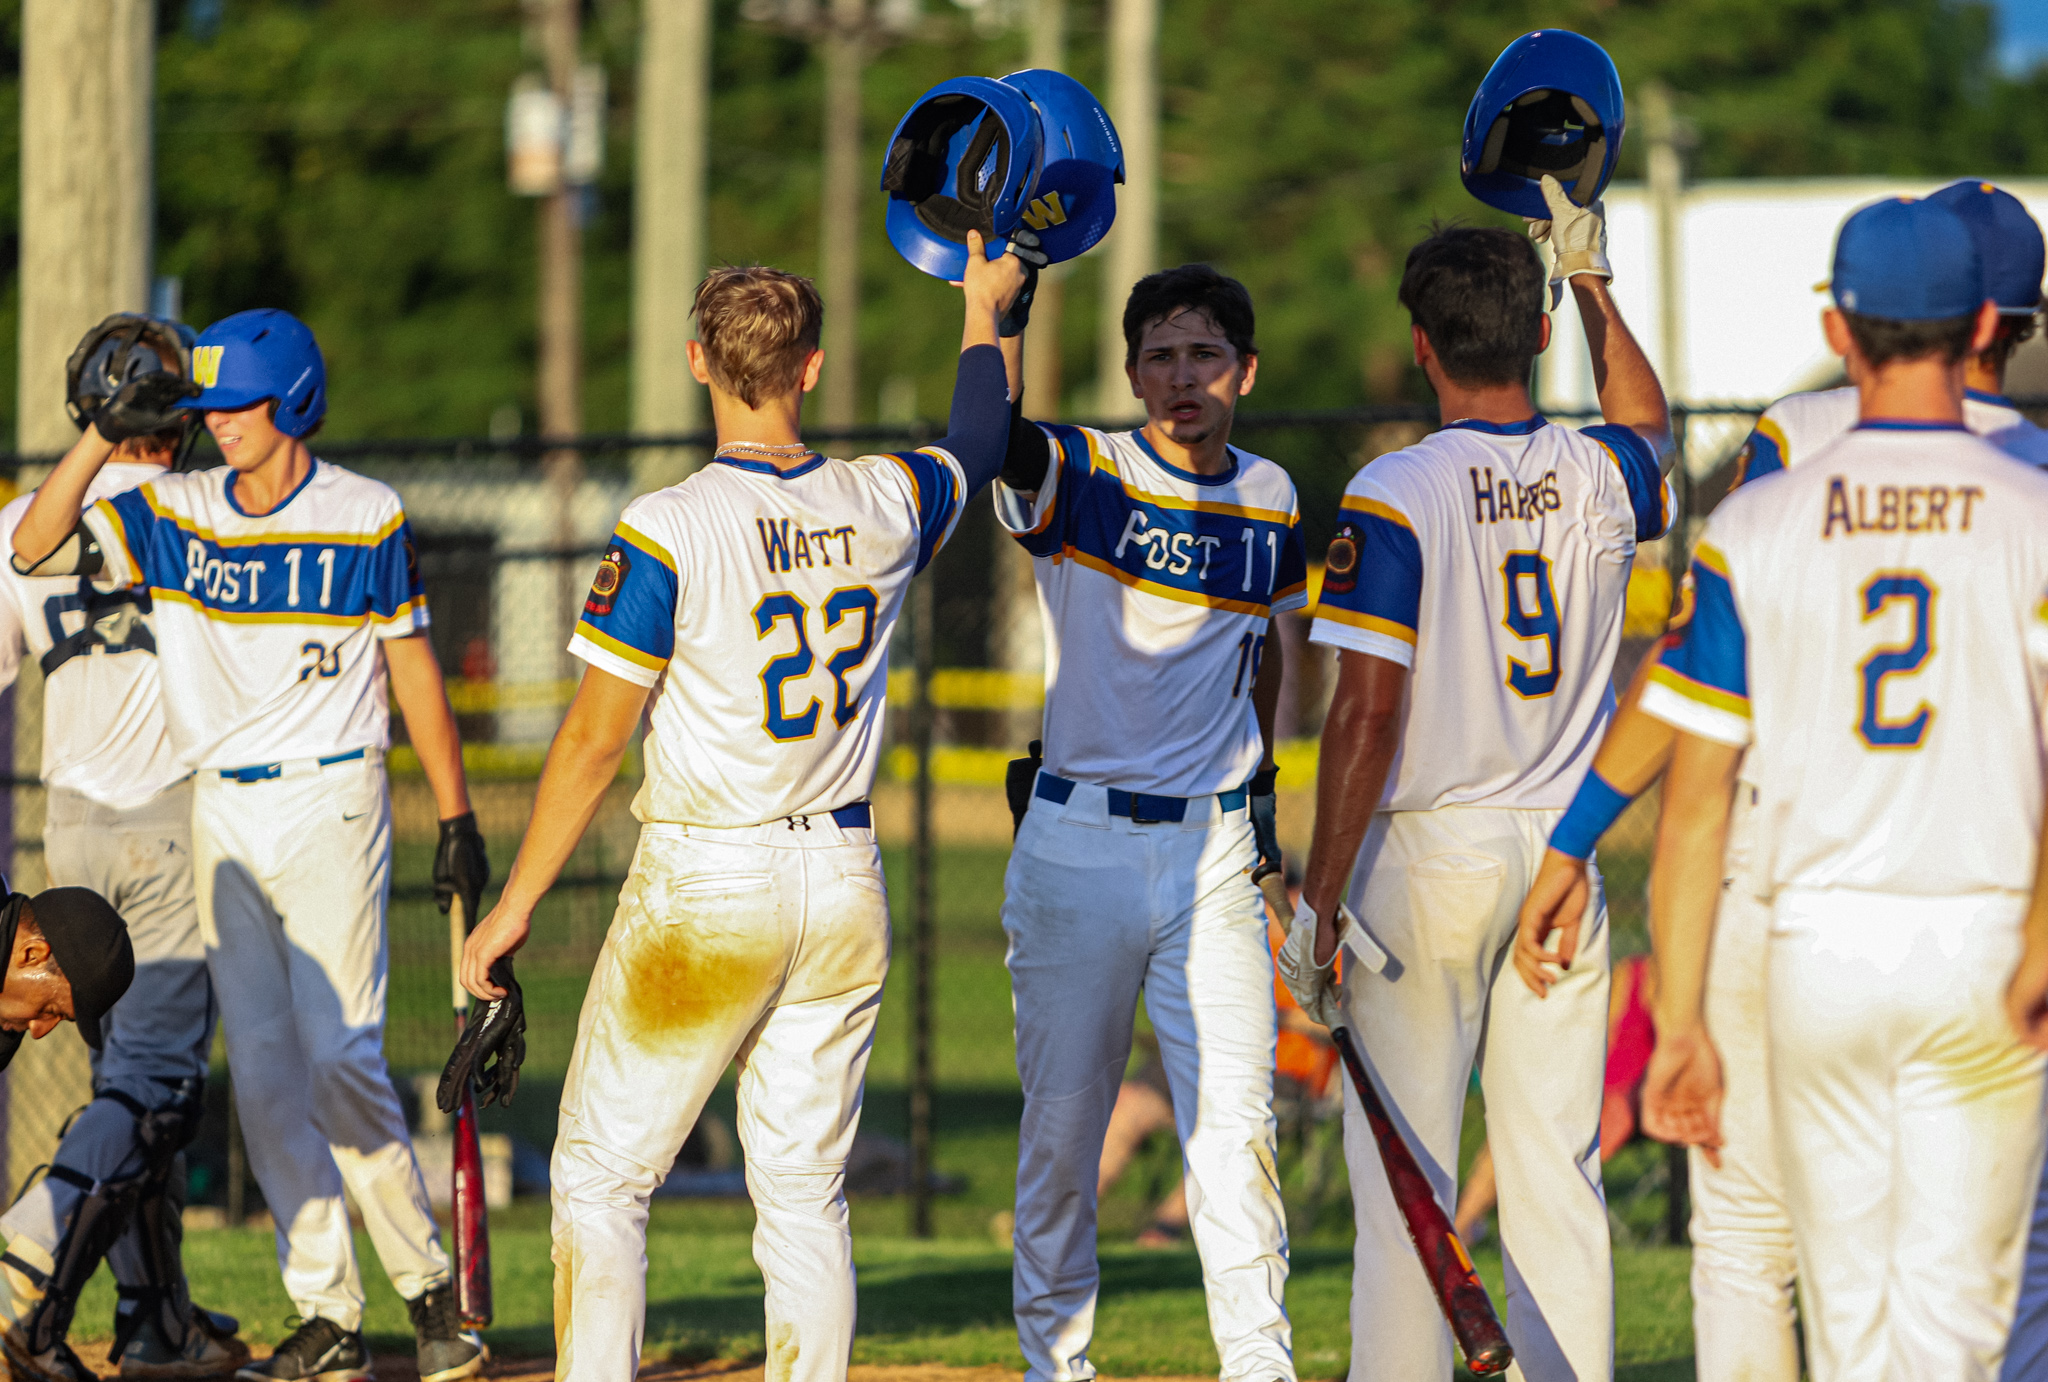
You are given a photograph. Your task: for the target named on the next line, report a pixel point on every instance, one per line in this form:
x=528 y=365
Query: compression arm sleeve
x=1029 y=456
x=978 y=430
x=77 y=555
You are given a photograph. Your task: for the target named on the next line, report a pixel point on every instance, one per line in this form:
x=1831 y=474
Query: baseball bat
x=472 y=1216
x=1458 y=1289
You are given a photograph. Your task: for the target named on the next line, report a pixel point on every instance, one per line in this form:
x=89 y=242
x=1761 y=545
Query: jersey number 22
x=842 y=604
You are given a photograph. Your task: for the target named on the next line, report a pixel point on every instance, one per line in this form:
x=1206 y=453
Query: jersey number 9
x=842 y=604
x=1531 y=617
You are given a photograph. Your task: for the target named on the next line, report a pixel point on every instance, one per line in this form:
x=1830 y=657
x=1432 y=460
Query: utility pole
x=672 y=126
x=1666 y=172
x=561 y=253
x=1132 y=249
x=87 y=168
x=844 y=47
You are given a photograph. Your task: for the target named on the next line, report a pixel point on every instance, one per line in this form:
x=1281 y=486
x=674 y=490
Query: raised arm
x=1630 y=395
x=978 y=428
x=59 y=501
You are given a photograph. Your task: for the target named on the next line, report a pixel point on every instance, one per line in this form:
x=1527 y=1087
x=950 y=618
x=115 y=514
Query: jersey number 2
x=841 y=604
x=1531 y=616
x=1878 y=594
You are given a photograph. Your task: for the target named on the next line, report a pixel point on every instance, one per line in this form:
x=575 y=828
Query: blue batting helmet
x=965 y=157
x=264 y=353
x=1074 y=202
x=2008 y=238
x=1551 y=103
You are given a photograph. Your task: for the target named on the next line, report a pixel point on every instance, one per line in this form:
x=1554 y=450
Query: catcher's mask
x=124 y=348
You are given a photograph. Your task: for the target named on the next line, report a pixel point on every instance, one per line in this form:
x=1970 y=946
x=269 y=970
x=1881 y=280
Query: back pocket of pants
x=1451 y=900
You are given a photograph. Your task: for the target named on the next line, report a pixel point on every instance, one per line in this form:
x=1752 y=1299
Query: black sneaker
x=317 y=1351
x=447 y=1351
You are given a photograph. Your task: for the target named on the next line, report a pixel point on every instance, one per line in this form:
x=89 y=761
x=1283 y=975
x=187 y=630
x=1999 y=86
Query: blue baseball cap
x=1907 y=260
x=2007 y=237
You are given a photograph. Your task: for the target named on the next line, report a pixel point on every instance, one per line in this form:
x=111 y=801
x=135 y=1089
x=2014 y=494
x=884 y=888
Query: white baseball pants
x=1743 y=1263
x=159 y=1034
x=293 y=875
x=1909 y=1126
x=1097 y=908
x=1440 y=891
x=768 y=945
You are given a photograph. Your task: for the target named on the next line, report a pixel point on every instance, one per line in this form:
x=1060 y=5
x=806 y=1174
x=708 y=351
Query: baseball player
x=1743 y=1262
x=288 y=615
x=120 y=823
x=1871 y=621
x=1474 y=592
x=1161 y=557
x=747 y=612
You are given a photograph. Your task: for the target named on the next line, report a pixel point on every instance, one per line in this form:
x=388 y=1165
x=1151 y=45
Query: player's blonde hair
x=758 y=326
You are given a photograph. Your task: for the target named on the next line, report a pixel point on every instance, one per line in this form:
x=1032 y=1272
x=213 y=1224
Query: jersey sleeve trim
x=1693 y=717
x=937 y=504
x=587 y=632
x=645 y=544
x=1648 y=495
x=1767 y=450
x=1713 y=697
x=1386 y=628
x=1376 y=509
x=1388 y=647
x=408 y=619
x=115 y=525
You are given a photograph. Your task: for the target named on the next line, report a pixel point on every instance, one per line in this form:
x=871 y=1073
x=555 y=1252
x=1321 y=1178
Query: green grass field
x=943 y=1300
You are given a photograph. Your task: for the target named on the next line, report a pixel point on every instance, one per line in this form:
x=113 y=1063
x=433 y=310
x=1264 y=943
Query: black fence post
x=922 y=920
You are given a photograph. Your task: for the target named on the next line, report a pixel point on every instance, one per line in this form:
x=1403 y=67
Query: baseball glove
x=144 y=406
x=492 y=1048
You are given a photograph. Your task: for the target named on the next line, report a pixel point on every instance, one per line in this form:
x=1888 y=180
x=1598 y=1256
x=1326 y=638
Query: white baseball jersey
x=1156 y=586
x=103 y=717
x=1795 y=427
x=268 y=624
x=1874 y=622
x=758 y=604
x=1493 y=561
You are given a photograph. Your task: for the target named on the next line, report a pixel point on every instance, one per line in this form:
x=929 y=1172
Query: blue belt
x=263 y=772
x=859 y=816
x=1141 y=807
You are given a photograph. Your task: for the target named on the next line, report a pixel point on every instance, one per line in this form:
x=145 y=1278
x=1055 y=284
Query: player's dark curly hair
x=1885 y=339
x=1190 y=288
x=1477 y=293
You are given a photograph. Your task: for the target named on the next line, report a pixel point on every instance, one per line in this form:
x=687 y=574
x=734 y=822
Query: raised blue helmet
x=1073 y=204
x=965 y=157
x=1551 y=103
x=259 y=354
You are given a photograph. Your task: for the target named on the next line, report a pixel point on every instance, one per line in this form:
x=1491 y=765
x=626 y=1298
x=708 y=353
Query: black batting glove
x=145 y=405
x=491 y=1050
x=1265 y=829
x=1023 y=244
x=461 y=868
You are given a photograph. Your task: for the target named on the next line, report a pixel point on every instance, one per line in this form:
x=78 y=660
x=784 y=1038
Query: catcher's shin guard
x=105 y=1213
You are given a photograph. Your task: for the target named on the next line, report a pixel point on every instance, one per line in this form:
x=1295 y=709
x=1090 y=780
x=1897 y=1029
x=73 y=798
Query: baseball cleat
x=447 y=1351
x=317 y=1351
x=210 y=1350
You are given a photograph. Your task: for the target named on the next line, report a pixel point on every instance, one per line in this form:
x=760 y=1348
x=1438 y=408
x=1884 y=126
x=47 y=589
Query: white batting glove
x=1314 y=986
x=1577 y=236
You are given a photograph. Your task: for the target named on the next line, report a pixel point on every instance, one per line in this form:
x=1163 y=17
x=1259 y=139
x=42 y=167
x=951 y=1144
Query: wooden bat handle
x=1459 y=1292
x=458 y=932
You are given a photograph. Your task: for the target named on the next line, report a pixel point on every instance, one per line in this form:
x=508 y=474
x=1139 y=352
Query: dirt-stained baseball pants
x=1743 y=1262
x=1909 y=1128
x=1440 y=891
x=768 y=945
x=139 y=859
x=1097 y=908
x=293 y=874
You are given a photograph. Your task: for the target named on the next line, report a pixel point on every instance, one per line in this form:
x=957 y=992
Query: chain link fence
x=508 y=535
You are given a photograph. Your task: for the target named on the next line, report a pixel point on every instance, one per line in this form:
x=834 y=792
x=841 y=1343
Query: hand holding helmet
x=1577 y=237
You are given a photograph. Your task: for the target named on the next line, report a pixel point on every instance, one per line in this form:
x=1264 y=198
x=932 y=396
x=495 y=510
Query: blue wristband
x=1596 y=807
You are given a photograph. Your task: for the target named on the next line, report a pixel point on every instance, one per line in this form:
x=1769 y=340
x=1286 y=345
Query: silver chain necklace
x=792 y=451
